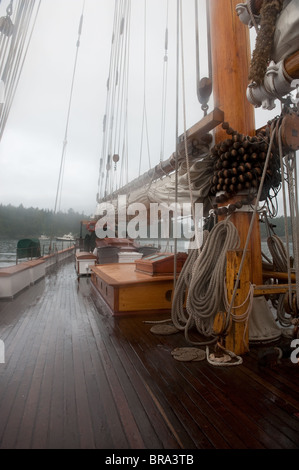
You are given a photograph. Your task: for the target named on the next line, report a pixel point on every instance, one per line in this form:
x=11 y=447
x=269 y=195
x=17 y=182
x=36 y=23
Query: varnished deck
x=76 y=377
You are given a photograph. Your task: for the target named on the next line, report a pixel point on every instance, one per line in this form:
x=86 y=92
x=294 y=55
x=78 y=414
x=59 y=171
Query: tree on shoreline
x=20 y=222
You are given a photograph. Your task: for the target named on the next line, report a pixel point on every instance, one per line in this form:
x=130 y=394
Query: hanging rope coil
x=205 y=297
x=204 y=275
x=278 y=253
x=179 y=315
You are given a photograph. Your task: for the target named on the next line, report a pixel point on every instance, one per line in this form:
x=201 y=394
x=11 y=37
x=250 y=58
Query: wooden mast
x=230 y=61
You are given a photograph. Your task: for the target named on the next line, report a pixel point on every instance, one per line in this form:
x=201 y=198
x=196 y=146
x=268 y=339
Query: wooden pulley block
x=205 y=88
x=290 y=131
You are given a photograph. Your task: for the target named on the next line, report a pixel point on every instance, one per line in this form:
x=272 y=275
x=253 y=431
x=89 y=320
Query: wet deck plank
x=76 y=377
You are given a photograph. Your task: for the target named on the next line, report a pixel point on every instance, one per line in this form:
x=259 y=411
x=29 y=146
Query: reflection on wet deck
x=76 y=377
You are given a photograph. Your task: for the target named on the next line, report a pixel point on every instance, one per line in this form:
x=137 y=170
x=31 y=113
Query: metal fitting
x=244 y=15
x=276 y=85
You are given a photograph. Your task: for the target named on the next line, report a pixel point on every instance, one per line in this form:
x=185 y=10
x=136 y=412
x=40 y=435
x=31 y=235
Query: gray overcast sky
x=31 y=148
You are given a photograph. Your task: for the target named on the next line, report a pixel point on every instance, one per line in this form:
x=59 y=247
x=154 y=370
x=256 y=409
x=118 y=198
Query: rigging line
x=177 y=137
x=197 y=44
x=252 y=221
x=107 y=108
x=15 y=83
x=107 y=117
x=185 y=135
x=164 y=87
x=12 y=62
x=6 y=37
x=144 y=72
x=116 y=74
x=62 y=173
x=59 y=185
x=293 y=203
x=202 y=96
x=121 y=80
x=124 y=162
x=116 y=86
x=124 y=152
x=147 y=140
x=12 y=68
x=252 y=16
x=23 y=21
x=122 y=113
x=209 y=40
x=119 y=94
x=144 y=117
x=123 y=132
x=113 y=83
x=14 y=41
x=17 y=44
x=296 y=208
x=284 y=209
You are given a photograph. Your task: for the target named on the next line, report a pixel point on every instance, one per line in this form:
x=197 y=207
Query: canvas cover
x=286 y=37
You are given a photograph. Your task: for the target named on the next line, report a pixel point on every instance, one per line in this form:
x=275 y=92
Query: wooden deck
x=77 y=378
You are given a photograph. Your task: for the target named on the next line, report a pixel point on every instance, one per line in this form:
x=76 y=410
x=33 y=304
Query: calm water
x=8 y=250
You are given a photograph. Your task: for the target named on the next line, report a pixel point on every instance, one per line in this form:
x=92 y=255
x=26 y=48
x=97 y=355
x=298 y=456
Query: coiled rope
x=205 y=283
x=179 y=315
x=224 y=360
x=278 y=252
